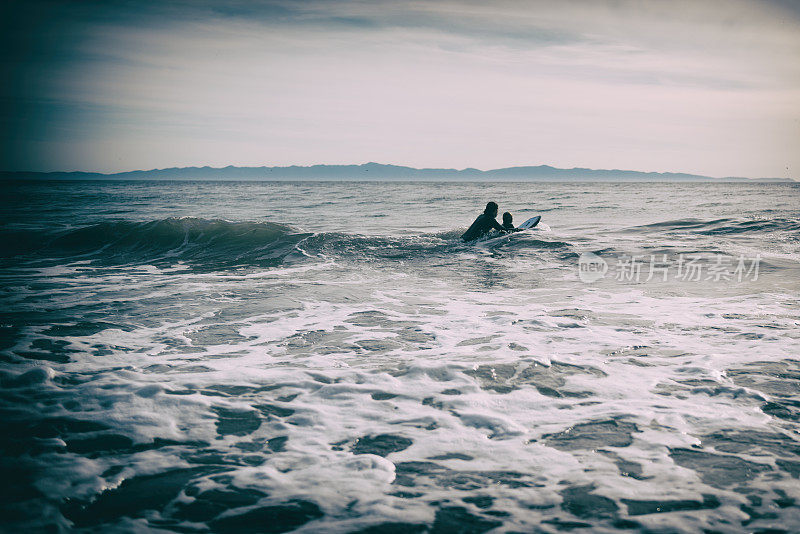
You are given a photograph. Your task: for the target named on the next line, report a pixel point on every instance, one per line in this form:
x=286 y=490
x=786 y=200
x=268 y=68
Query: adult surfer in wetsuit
x=484 y=223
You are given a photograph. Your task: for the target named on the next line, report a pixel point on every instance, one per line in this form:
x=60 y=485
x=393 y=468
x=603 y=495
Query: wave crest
x=722 y=226
x=218 y=244
x=186 y=239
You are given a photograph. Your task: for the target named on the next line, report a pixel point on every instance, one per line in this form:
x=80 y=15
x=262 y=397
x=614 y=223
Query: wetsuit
x=508 y=227
x=482 y=226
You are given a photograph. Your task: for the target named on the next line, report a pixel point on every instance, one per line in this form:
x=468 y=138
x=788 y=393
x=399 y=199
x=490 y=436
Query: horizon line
x=456 y=169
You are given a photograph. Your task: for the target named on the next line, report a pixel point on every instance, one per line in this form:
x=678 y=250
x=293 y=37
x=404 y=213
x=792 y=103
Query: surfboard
x=530 y=223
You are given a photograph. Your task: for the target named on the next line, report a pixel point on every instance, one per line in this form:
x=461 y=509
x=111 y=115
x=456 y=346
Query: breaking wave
x=215 y=244
x=190 y=240
x=725 y=226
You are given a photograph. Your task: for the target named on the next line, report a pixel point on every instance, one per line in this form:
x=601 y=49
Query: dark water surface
x=328 y=356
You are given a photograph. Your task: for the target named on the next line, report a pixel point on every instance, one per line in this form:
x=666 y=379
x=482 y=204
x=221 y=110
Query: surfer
x=508 y=225
x=485 y=222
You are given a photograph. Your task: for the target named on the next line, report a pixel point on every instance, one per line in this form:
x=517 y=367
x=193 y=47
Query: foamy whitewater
x=330 y=357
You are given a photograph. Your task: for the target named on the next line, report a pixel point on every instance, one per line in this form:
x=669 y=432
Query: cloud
x=573 y=83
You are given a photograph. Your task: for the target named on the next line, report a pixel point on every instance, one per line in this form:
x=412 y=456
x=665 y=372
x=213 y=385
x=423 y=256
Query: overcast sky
x=705 y=87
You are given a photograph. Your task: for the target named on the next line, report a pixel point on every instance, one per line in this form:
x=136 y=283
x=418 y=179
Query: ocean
x=330 y=357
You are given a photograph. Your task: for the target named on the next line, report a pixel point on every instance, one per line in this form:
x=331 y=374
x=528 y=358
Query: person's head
x=491 y=209
x=507 y=218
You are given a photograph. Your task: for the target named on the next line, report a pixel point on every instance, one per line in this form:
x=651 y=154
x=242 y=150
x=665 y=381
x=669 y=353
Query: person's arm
x=497 y=226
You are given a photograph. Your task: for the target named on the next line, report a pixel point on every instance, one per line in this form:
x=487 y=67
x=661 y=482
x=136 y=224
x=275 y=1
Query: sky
x=706 y=87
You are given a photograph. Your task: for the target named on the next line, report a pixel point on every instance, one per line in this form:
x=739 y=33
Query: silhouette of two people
x=487 y=221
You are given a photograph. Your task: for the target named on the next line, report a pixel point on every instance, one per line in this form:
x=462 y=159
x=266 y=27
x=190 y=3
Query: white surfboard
x=530 y=223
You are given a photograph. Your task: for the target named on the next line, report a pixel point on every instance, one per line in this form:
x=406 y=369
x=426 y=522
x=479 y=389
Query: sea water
x=330 y=357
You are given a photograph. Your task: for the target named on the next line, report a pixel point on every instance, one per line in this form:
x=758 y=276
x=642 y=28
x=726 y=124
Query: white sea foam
x=384 y=377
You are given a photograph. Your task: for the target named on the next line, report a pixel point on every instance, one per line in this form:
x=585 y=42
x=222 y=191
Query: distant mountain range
x=378 y=172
